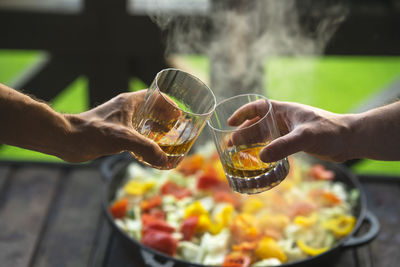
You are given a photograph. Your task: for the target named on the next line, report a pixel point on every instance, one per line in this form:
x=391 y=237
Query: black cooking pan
x=114 y=167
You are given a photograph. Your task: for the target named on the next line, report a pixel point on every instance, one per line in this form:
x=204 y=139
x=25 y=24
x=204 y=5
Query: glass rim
x=247 y=127
x=193 y=77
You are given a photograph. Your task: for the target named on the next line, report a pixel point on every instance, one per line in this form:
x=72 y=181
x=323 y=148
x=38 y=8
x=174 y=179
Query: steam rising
x=239 y=36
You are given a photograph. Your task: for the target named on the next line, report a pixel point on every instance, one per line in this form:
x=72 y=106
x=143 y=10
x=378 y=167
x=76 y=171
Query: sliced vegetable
x=171 y=188
x=245 y=246
x=310 y=250
x=119 y=208
x=324 y=197
x=252 y=205
x=195 y=209
x=157 y=225
x=151 y=203
x=161 y=241
x=306 y=221
x=243 y=228
x=191 y=164
x=226 y=196
x=341 y=225
x=188 y=227
x=208 y=182
x=138 y=188
x=236 y=260
x=269 y=248
x=319 y=172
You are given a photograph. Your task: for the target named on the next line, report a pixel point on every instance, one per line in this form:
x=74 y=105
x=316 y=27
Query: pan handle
x=108 y=165
x=373 y=230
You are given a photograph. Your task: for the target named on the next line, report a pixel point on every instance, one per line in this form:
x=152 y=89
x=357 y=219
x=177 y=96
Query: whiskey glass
x=239 y=146
x=176 y=108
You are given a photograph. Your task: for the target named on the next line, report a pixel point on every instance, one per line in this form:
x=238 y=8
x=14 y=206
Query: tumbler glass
x=176 y=108
x=239 y=146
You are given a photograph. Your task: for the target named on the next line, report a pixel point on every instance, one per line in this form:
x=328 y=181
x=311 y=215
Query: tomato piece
x=150 y=203
x=119 y=208
x=188 y=227
x=160 y=241
x=236 y=260
x=171 y=188
x=319 y=172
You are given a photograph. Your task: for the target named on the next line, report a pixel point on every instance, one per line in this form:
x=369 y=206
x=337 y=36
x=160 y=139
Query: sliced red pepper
x=150 y=203
x=236 y=260
x=171 y=188
x=119 y=208
x=319 y=172
x=188 y=227
x=160 y=241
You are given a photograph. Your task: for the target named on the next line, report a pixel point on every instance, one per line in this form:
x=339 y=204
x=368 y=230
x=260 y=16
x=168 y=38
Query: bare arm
x=374 y=134
x=104 y=130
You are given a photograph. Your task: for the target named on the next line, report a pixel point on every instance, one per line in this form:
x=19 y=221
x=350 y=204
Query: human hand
x=318 y=132
x=107 y=129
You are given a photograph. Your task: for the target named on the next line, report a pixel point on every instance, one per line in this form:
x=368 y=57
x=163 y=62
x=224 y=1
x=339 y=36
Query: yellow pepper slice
x=195 y=209
x=306 y=221
x=252 y=205
x=341 y=225
x=310 y=250
x=269 y=248
x=138 y=187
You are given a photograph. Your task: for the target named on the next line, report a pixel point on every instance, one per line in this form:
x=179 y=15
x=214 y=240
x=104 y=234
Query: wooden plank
x=384 y=202
x=23 y=214
x=73 y=222
x=4 y=171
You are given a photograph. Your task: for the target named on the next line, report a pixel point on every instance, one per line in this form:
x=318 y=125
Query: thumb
x=282 y=147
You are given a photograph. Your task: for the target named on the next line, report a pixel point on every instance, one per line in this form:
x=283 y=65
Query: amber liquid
x=248 y=174
x=174 y=138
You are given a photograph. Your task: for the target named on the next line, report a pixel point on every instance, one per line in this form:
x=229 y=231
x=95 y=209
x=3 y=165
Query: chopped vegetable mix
x=192 y=214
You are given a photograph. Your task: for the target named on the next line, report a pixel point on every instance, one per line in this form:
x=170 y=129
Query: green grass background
x=338 y=84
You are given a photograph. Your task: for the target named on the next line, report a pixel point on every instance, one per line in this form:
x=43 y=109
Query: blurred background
x=343 y=56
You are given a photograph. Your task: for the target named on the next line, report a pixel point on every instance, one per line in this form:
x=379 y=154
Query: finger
x=145 y=148
x=247 y=135
x=166 y=108
x=248 y=111
x=282 y=147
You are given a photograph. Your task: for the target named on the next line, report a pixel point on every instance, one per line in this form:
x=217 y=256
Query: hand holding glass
x=239 y=146
x=175 y=109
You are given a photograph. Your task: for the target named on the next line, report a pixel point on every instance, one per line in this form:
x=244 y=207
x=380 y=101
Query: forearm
x=377 y=133
x=30 y=124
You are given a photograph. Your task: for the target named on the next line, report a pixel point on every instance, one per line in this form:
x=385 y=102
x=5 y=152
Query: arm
x=104 y=130
x=373 y=134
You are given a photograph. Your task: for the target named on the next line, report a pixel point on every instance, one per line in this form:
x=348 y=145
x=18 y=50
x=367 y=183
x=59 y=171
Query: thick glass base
x=261 y=183
x=172 y=161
